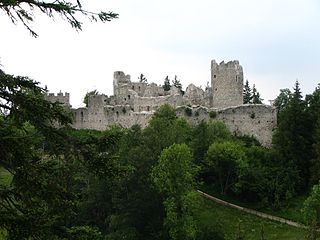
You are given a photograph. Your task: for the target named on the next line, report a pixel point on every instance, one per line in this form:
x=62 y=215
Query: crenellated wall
x=60 y=97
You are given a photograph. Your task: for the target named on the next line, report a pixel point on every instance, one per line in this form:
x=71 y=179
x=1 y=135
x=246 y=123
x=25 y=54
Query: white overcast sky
x=276 y=42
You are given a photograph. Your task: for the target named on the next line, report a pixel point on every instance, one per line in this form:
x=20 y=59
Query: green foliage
x=84 y=233
x=174 y=177
x=311 y=207
x=256 y=99
x=166 y=85
x=313 y=112
x=311 y=212
x=165 y=129
x=142 y=78
x=89 y=95
x=49 y=165
x=225 y=219
x=176 y=82
x=212 y=114
x=251 y=95
x=16 y=11
x=5 y=177
x=248 y=141
x=265 y=180
x=204 y=135
x=188 y=111
x=207 y=231
x=292 y=138
x=247 y=95
x=283 y=99
x=226 y=162
x=175 y=171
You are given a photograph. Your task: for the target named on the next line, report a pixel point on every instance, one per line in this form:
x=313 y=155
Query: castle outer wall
x=135 y=102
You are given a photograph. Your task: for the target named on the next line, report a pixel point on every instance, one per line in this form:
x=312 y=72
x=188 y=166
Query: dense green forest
x=62 y=183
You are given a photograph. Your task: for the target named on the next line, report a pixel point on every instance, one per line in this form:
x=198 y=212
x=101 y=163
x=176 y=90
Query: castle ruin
x=135 y=102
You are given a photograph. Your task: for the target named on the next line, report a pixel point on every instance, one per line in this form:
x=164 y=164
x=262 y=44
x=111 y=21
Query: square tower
x=227 y=84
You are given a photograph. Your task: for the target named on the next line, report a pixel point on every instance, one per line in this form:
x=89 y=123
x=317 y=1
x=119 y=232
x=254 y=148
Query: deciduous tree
x=226 y=162
x=174 y=177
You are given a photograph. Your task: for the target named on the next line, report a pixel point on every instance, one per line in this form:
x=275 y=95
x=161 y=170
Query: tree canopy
x=251 y=95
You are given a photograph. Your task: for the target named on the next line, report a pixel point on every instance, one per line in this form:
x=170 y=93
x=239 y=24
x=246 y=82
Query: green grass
x=227 y=220
x=292 y=210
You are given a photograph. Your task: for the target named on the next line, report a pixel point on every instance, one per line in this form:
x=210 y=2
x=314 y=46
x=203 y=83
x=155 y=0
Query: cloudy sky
x=276 y=42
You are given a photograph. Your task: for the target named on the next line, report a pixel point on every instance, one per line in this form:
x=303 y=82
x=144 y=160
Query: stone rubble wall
x=258 y=121
x=153 y=103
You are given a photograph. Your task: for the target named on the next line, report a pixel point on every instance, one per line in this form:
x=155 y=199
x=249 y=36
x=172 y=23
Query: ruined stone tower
x=227 y=84
x=119 y=78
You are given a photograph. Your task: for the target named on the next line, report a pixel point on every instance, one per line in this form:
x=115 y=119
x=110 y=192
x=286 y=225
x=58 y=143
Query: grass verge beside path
x=291 y=212
x=228 y=220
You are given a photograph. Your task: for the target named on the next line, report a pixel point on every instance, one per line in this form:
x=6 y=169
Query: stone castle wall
x=135 y=102
x=258 y=120
x=60 y=97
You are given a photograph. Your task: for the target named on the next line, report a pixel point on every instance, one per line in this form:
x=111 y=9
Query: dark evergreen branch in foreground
x=17 y=12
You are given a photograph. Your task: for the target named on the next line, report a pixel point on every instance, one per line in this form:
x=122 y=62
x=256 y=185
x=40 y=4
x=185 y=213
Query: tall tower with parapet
x=227 y=84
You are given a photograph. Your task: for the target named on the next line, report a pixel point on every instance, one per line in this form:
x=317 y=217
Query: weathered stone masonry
x=135 y=103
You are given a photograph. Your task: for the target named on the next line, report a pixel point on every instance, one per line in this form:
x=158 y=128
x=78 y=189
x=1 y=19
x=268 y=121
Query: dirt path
x=253 y=212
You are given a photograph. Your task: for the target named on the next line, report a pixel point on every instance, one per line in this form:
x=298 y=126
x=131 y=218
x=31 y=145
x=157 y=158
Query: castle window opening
x=139 y=88
x=125 y=99
x=214 y=76
x=132 y=87
x=81 y=114
x=148 y=108
x=128 y=96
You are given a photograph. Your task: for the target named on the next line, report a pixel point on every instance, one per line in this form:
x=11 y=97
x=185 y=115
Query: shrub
x=212 y=114
x=188 y=111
